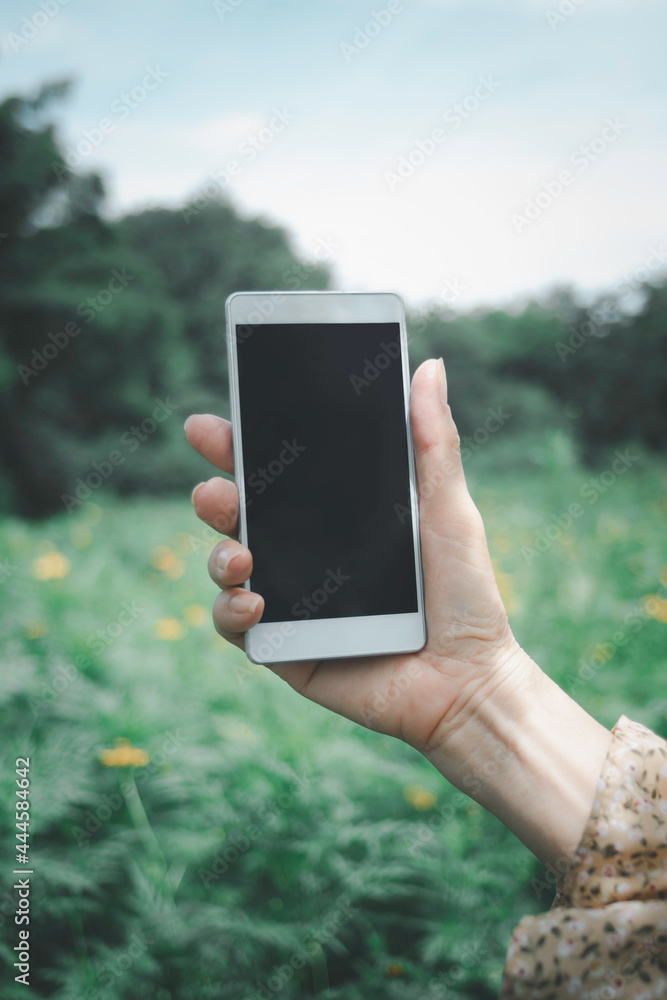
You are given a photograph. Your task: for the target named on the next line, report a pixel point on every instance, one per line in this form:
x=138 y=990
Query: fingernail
x=442 y=379
x=244 y=604
x=194 y=493
x=185 y=425
x=223 y=559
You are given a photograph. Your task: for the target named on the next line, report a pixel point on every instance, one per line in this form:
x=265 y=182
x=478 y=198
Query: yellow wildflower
x=419 y=797
x=506 y=588
x=168 y=562
x=169 y=629
x=655 y=607
x=196 y=615
x=52 y=565
x=602 y=652
x=176 y=570
x=124 y=755
x=35 y=629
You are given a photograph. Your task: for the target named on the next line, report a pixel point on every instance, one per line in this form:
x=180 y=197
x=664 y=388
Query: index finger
x=212 y=437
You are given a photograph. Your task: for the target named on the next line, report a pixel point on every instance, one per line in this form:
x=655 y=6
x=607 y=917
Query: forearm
x=530 y=754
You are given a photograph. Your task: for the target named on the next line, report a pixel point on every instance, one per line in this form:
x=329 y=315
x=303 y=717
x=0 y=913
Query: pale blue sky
x=450 y=224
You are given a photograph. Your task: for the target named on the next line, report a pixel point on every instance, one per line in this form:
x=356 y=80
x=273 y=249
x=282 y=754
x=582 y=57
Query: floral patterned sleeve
x=605 y=937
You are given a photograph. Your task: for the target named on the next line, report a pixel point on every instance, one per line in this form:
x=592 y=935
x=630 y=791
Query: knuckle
x=224 y=518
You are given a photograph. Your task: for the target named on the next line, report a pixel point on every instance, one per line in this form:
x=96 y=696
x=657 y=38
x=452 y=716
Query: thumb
x=441 y=484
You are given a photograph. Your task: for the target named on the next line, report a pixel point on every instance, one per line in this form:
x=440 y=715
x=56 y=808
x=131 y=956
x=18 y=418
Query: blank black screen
x=326 y=469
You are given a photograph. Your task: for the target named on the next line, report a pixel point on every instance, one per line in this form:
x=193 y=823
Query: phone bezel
x=325 y=638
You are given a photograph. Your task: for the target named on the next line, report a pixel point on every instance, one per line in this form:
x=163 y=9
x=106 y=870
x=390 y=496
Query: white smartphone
x=319 y=392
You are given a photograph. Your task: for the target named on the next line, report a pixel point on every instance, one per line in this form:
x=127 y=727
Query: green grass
x=264 y=831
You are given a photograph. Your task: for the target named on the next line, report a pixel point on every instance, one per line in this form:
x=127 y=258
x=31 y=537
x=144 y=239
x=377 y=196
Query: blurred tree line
x=111 y=332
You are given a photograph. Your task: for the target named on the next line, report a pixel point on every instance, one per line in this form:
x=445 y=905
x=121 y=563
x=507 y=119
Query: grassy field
x=199 y=831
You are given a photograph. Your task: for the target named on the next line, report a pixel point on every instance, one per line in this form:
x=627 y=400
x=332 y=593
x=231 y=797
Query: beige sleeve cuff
x=606 y=934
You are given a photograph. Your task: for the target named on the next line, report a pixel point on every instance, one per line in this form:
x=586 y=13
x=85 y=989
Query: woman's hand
x=458 y=700
x=470 y=647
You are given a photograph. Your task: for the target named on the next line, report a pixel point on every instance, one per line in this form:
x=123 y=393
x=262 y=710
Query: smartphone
x=320 y=391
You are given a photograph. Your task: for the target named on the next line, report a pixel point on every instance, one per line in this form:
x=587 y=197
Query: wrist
x=522 y=748
x=486 y=718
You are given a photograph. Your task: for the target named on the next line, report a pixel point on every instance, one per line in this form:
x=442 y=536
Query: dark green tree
x=101 y=321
